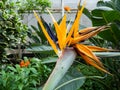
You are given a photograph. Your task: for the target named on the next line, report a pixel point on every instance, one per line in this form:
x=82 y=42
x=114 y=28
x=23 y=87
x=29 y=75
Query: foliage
x=106 y=13
x=38 y=43
x=34 y=4
x=24 y=78
x=72 y=80
x=12 y=30
x=11 y=20
x=36 y=35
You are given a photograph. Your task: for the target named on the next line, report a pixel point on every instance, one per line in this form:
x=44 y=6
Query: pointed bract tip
x=51 y=15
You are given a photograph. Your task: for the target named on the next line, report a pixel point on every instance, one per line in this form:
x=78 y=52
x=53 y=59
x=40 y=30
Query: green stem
x=62 y=65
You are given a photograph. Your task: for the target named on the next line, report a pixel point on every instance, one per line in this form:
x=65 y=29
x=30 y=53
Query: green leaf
x=34 y=82
x=12 y=68
x=98 y=13
x=107 y=54
x=18 y=68
x=87 y=13
x=33 y=70
x=101 y=17
x=100 y=3
x=109 y=4
x=49 y=60
x=79 y=78
x=40 y=88
x=39 y=48
x=70 y=81
x=33 y=37
x=20 y=86
x=117 y=3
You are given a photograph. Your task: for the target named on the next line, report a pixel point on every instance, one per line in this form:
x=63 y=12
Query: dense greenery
x=12 y=34
x=107 y=12
x=12 y=31
x=24 y=78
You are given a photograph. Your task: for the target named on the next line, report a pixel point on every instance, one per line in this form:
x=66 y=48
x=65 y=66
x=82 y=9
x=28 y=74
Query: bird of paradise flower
x=65 y=39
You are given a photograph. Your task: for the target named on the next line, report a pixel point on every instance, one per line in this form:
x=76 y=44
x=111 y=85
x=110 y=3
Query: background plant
x=106 y=12
x=12 y=31
x=24 y=78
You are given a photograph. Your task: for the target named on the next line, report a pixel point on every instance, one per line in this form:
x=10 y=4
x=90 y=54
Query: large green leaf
x=103 y=17
x=80 y=78
x=76 y=79
x=87 y=13
x=70 y=81
x=114 y=4
x=117 y=4
x=39 y=48
x=110 y=4
x=41 y=51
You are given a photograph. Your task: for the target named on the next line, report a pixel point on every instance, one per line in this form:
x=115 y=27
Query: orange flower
x=27 y=63
x=67 y=8
x=24 y=64
x=74 y=38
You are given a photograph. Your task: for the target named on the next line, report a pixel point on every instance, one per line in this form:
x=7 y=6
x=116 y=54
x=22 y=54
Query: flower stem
x=62 y=65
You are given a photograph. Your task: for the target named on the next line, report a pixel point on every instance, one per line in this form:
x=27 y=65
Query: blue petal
x=49 y=30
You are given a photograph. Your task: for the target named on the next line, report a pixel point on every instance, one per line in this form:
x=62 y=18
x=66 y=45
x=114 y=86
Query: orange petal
x=59 y=35
x=46 y=34
x=58 y=31
x=22 y=62
x=86 y=31
x=91 y=62
x=76 y=22
x=95 y=48
x=27 y=63
x=90 y=34
x=69 y=34
x=84 y=37
x=75 y=26
x=85 y=50
x=64 y=30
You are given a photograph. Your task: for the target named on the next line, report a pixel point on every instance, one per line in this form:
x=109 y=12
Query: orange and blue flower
x=73 y=38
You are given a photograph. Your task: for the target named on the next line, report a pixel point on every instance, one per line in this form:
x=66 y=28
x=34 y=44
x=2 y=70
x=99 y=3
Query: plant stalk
x=62 y=66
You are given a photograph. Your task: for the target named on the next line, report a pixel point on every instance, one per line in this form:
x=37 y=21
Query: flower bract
x=72 y=38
